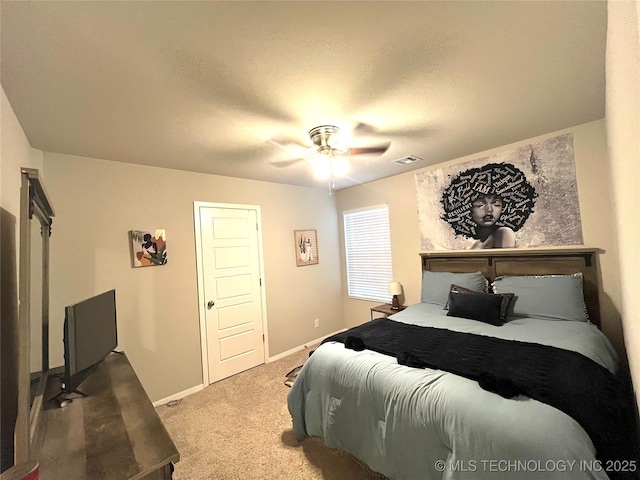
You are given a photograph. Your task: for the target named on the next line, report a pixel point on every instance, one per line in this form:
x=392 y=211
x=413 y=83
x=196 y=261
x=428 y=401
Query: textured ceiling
x=228 y=87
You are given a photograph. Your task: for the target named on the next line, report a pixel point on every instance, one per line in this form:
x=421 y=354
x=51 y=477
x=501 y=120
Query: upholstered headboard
x=524 y=261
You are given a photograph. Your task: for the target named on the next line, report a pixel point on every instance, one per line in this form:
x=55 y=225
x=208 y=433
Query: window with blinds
x=368 y=253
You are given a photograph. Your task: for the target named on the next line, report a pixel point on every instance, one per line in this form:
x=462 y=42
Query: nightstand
x=386 y=309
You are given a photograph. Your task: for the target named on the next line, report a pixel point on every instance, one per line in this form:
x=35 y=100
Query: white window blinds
x=368 y=253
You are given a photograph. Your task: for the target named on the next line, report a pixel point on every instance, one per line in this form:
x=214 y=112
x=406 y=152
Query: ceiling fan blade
x=378 y=150
x=286 y=163
x=291 y=151
x=362 y=128
x=287 y=143
x=406 y=132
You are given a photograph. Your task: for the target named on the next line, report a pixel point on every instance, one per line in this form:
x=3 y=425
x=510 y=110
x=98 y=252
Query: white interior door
x=231 y=290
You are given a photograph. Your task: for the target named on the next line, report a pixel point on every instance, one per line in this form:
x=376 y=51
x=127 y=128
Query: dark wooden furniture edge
x=525 y=261
x=34 y=205
x=112 y=433
x=386 y=309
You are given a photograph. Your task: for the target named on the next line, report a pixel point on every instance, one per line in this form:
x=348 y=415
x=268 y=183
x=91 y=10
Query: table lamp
x=395 y=289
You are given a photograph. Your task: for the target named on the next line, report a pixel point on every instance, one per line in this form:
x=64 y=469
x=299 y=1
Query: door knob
x=210 y=304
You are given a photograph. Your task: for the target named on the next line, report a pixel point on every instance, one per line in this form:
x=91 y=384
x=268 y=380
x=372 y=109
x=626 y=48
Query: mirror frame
x=34 y=204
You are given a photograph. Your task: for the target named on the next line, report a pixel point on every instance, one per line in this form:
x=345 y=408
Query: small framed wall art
x=148 y=248
x=306 y=247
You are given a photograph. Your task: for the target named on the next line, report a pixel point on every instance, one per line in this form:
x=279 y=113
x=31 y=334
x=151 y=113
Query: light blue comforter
x=409 y=423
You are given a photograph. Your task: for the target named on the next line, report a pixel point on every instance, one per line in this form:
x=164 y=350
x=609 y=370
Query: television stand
x=62 y=398
x=111 y=433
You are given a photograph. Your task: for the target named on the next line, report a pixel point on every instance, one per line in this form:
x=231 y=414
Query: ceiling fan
x=328 y=155
x=322 y=135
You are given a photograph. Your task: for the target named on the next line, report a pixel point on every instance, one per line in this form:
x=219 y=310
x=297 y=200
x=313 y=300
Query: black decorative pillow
x=504 y=307
x=484 y=307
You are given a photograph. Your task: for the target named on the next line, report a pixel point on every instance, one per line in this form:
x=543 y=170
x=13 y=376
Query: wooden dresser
x=112 y=433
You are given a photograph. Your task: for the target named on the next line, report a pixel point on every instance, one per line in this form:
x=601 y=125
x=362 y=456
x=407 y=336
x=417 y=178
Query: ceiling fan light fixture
x=322 y=167
x=339 y=166
x=327 y=166
x=340 y=141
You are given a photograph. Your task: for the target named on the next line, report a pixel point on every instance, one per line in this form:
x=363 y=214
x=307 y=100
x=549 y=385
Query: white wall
x=15 y=153
x=594 y=191
x=97 y=202
x=623 y=135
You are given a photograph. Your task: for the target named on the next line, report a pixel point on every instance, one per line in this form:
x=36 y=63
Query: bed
x=373 y=392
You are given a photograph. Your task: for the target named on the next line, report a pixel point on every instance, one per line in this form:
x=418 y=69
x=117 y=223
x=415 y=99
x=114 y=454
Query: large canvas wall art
x=526 y=197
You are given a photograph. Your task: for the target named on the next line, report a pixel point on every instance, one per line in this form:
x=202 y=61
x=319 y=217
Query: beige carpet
x=240 y=429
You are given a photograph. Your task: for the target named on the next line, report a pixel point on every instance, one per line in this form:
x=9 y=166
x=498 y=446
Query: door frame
x=202 y=308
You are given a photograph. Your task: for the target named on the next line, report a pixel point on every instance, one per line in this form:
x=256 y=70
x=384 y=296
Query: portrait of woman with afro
x=489 y=204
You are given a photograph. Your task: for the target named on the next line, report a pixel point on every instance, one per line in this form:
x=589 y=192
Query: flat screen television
x=90 y=334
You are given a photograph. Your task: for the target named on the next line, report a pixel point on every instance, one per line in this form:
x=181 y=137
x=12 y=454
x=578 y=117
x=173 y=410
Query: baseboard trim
x=197 y=388
x=178 y=396
x=301 y=347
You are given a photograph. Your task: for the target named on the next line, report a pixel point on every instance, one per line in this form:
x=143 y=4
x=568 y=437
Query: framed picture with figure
x=306 y=246
x=148 y=248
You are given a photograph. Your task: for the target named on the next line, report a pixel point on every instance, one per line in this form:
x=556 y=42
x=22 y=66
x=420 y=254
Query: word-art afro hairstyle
x=500 y=179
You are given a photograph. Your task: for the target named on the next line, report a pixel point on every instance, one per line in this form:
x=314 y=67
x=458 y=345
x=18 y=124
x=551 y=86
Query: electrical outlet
x=317 y=322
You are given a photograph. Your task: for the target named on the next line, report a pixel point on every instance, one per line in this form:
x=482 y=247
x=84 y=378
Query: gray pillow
x=557 y=297
x=436 y=285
